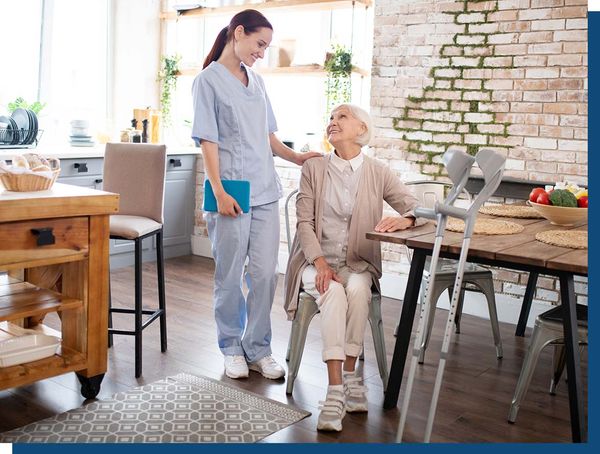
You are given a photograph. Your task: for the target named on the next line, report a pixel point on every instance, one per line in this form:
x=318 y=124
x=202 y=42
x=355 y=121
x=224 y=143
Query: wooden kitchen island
x=54 y=258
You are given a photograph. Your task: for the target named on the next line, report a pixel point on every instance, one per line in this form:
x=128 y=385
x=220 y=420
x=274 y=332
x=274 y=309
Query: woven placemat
x=575 y=239
x=511 y=211
x=486 y=226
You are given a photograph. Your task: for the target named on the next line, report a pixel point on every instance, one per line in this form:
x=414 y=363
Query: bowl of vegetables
x=563 y=204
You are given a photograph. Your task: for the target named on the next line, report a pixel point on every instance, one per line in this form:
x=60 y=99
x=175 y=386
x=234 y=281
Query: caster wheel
x=90 y=386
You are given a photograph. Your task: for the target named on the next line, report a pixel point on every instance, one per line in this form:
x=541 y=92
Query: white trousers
x=344 y=311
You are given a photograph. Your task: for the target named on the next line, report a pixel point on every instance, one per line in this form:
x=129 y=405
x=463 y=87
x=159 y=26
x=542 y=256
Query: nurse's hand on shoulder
x=228 y=206
x=301 y=158
x=394 y=223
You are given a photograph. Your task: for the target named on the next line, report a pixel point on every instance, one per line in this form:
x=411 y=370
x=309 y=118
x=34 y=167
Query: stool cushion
x=132 y=227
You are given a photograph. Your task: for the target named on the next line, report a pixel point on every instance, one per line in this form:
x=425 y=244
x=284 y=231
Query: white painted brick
x=577 y=24
x=464 y=61
x=478 y=117
x=470 y=39
x=470 y=18
x=514 y=164
x=542 y=73
x=418 y=135
x=553 y=24
x=540 y=142
x=573 y=145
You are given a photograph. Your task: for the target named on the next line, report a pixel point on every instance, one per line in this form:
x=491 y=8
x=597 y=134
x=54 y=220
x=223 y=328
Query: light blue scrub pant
x=244 y=323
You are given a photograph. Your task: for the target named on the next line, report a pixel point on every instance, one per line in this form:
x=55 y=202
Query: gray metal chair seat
x=547 y=330
x=307 y=309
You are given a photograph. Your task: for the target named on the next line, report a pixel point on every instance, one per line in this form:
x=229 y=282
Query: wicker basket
x=25 y=182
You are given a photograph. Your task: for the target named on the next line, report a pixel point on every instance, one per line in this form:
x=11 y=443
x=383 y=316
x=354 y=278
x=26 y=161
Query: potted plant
x=20 y=103
x=167 y=76
x=338 y=66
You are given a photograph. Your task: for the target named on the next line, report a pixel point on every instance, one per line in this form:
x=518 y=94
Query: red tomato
x=533 y=195
x=582 y=202
x=543 y=198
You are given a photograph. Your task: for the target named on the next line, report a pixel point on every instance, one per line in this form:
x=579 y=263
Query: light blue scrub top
x=239 y=119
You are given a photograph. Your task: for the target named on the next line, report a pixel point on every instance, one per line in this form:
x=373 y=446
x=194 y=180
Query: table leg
x=568 y=300
x=526 y=306
x=404 y=330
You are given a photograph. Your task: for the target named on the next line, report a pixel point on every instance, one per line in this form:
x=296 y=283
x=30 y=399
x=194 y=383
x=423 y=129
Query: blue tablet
x=238 y=189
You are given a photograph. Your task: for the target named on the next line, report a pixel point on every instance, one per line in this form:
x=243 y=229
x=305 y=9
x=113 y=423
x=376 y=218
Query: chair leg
x=162 y=305
x=138 y=308
x=440 y=286
x=558 y=366
x=459 y=306
x=539 y=339
x=307 y=309
x=487 y=287
x=110 y=318
x=378 y=337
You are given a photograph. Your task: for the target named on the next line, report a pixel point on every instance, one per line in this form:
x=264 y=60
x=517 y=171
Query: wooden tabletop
x=521 y=248
x=62 y=200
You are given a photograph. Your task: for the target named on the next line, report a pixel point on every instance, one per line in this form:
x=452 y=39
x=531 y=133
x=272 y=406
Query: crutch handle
x=452 y=211
x=428 y=213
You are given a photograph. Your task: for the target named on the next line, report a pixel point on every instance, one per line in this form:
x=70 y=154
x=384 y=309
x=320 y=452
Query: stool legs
x=378 y=337
x=110 y=319
x=160 y=267
x=307 y=309
x=539 y=339
x=487 y=287
x=138 y=308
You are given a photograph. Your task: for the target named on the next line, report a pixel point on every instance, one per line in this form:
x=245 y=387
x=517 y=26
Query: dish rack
x=11 y=138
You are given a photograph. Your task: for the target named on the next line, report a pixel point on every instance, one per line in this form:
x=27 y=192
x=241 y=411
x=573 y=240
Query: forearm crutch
x=458 y=165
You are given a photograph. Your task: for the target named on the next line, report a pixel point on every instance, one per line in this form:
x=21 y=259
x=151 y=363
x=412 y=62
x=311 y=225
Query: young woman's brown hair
x=250 y=19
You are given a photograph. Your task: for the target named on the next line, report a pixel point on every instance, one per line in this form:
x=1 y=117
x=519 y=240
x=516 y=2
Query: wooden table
x=54 y=248
x=520 y=252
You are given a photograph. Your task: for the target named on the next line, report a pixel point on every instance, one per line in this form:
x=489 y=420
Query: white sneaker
x=356 y=393
x=333 y=410
x=235 y=366
x=268 y=367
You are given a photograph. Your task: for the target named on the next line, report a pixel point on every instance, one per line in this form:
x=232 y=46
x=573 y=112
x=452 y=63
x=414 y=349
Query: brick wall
x=508 y=74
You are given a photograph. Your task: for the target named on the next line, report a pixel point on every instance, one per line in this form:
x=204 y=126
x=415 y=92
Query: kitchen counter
x=68 y=152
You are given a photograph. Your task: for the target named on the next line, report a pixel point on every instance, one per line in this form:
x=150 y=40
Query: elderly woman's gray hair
x=360 y=114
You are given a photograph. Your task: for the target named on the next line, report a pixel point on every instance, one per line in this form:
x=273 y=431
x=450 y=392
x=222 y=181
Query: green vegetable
x=20 y=103
x=563 y=198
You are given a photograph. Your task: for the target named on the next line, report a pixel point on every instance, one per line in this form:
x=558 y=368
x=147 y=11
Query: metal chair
x=137 y=173
x=307 y=309
x=428 y=193
x=547 y=330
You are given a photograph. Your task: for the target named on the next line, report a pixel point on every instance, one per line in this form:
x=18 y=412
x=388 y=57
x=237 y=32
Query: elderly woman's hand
x=394 y=223
x=324 y=275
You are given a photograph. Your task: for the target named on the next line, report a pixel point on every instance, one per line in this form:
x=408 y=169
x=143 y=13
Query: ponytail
x=250 y=19
x=217 y=48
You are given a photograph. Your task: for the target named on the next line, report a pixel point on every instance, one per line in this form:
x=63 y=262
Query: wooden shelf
x=22 y=299
x=66 y=361
x=313 y=4
x=292 y=70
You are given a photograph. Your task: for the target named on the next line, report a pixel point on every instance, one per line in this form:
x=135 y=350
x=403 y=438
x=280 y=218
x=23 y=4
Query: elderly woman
x=340 y=199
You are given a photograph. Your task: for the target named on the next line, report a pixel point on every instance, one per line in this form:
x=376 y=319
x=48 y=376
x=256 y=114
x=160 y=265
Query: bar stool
x=548 y=329
x=307 y=309
x=137 y=173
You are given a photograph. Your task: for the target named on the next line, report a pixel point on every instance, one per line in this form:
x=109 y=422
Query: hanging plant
x=338 y=66
x=167 y=76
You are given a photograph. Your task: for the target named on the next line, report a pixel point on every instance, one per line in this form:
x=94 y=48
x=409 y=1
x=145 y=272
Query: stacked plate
x=21 y=128
x=80 y=136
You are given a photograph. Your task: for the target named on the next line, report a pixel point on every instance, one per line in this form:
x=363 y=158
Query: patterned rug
x=181 y=409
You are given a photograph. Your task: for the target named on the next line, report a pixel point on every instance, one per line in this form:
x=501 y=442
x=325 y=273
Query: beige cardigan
x=377 y=183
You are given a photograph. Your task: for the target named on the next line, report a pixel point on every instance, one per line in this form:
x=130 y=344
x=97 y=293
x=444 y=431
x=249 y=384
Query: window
x=60 y=58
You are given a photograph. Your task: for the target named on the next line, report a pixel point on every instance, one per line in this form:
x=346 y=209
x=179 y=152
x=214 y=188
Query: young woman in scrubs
x=235 y=126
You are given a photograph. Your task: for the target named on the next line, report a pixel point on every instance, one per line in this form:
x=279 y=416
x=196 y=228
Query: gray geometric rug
x=181 y=409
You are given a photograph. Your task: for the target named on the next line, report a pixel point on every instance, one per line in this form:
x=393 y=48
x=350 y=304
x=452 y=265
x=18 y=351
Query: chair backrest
x=428 y=192
x=137 y=173
x=287 y=219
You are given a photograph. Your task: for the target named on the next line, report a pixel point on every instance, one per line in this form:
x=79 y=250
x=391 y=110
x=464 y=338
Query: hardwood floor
x=473 y=404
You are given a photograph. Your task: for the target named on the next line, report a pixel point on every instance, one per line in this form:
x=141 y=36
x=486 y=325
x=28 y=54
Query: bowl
x=560 y=215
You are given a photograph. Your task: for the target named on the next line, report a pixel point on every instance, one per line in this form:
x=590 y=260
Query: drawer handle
x=81 y=167
x=175 y=162
x=44 y=236
x=98 y=180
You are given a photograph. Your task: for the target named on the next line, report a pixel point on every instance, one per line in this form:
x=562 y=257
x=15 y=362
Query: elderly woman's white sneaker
x=236 y=366
x=356 y=393
x=268 y=367
x=333 y=409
